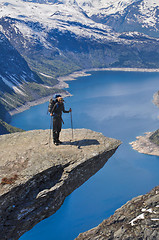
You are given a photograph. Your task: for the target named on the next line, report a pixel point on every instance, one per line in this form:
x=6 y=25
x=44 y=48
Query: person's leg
x=59 y=126
x=55 y=130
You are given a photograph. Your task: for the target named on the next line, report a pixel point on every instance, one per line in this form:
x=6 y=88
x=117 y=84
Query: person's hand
x=70 y=110
x=51 y=114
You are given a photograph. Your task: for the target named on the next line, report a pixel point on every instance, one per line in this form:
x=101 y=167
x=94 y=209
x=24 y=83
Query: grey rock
x=137 y=219
x=36 y=176
x=147 y=144
x=156 y=98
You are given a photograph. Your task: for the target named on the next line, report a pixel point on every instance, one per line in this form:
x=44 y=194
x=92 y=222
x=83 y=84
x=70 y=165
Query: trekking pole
x=50 y=130
x=71 y=124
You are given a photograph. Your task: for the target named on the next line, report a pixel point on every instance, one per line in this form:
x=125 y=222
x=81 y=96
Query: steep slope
x=137 y=219
x=15 y=77
x=14 y=69
x=18 y=83
x=6 y=128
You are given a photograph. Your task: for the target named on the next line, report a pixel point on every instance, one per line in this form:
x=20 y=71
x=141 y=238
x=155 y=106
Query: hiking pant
x=57 y=125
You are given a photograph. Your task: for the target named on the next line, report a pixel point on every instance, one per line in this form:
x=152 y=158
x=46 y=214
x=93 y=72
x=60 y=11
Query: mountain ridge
x=57 y=38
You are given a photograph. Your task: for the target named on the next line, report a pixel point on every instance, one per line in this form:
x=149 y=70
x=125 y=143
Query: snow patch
x=147 y=210
x=45 y=75
x=17 y=90
x=9 y=84
x=7 y=102
x=141 y=216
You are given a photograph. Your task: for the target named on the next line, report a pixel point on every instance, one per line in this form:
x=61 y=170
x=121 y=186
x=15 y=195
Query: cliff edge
x=137 y=219
x=36 y=176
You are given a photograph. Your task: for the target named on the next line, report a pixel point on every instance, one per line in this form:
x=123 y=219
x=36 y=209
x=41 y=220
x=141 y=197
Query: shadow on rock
x=82 y=143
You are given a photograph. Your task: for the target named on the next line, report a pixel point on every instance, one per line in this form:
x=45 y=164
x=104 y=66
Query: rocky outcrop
x=137 y=219
x=149 y=143
x=144 y=144
x=36 y=176
x=156 y=98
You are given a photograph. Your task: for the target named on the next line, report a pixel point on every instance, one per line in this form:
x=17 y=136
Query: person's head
x=57 y=95
x=60 y=99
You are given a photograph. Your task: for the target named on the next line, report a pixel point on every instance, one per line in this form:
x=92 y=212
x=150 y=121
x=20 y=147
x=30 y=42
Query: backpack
x=52 y=103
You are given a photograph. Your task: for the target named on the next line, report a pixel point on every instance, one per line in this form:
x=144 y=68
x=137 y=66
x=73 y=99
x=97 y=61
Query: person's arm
x=70 y=110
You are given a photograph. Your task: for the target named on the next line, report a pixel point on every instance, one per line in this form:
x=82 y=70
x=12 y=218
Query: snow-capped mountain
x=53 y=27
x=133 y=15
x=56 y=37
x=119 y=15
x=61 y=15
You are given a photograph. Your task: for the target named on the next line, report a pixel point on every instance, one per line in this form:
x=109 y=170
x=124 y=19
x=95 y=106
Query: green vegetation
x=32 y=91
x=6 y=128
x=54 y=67
x=35 y=90
x=9 y=101
x=155 y=137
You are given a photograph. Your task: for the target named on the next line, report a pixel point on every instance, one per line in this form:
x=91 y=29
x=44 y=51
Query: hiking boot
x=56 y=143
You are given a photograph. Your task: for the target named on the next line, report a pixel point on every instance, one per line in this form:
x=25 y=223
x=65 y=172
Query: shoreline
x=34 y=103
x=71 y=77
x=144 y=145
x=84 y=72
x=156 y=99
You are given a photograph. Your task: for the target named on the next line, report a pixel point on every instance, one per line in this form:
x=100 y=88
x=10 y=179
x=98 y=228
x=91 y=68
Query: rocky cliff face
x=137 y=219
x=36 y=176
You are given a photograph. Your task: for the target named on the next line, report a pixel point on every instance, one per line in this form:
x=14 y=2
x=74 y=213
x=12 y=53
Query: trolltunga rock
x=36 y=176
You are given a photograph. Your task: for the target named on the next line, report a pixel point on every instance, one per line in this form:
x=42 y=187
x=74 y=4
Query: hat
x=57 y=95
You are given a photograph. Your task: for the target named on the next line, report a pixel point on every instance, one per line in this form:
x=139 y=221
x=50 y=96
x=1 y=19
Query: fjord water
x=118 y=104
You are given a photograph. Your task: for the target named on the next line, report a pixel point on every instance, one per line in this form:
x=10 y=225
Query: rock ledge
x=37 y=176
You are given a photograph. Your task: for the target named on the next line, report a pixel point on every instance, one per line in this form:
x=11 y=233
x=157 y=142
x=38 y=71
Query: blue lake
x=118 y=104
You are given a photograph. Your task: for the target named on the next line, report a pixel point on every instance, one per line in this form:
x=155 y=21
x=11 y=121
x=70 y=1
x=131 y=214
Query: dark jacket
x=58 y=109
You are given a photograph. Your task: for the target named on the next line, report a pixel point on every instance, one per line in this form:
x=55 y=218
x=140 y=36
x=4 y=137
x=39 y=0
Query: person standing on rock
x=57 y=119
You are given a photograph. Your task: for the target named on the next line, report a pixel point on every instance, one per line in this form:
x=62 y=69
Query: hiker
x=57 y=119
